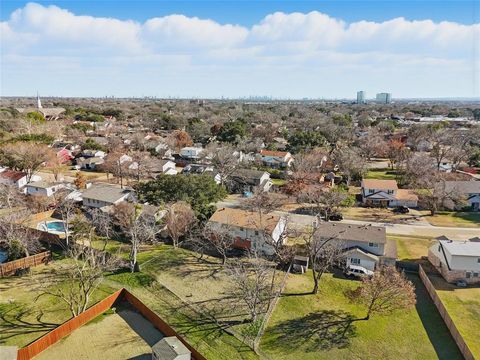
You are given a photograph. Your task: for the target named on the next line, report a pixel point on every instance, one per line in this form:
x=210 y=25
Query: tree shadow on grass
x=321 y=330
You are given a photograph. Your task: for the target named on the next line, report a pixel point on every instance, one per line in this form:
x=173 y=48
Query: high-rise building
x=361 y=97
x=384 y=98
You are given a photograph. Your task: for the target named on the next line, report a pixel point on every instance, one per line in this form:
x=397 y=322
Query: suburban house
x=276 y=159
x=93 y=153
x=100 y=195
x=43 y=188
x=364 y=245
x=164 y=167
x=13 y=178
x=246 y=180
x=199 y=169
x=470 y=190
x=191 y=153
x=89 y=163
x=385 y=193
x=456 y=260
x=248 y=229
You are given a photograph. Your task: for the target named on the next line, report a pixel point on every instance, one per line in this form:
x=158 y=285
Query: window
x=475 y=274
x=478 y=260
x=440 y=249
x=371 y=191
x=256 y=232
x=468 y=274
x=390 y=192
x=355 y=261
x=373 y=245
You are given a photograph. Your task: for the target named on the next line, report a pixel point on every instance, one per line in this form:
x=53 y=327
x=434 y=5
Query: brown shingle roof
x=404 y=194
x=12 y=175
x=380 y=184
x=273 y=153
x=245 y=219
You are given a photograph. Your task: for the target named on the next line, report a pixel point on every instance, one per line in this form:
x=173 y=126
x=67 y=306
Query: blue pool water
x=3 y=256
x=56 y=226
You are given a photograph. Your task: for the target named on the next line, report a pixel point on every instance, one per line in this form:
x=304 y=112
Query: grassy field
x=279 y=182
x=381 y=174
x=375 y=214
x=410 y=248
x=23 y=318
x=305 y=326
x=453 y=218
x=463 y=306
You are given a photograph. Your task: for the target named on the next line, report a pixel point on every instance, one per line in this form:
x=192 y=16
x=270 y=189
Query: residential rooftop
x=105 y=192
x=380 y=184
x=345 y=232
x=245 y=219
x=461 y=248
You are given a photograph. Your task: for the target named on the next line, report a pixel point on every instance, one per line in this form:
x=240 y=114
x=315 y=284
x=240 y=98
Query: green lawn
x=463 y=306
x=454 y=218
x=305 y=326
x=410 y=248
x=23 y=319
x=278 y=182
x=381 y=174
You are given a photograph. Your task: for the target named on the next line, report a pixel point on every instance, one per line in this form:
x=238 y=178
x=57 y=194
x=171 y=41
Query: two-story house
x=249 y=230
x=276 y=159
x=246 y=180
x=385 y=193
x=456 y=260
x=469 y=190
x=363 y=245
x=100 y=195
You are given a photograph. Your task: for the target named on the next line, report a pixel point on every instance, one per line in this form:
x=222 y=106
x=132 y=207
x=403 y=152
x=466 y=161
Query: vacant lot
x=411 y=248
x=305 y=326
x=123 y=335
x=463 y=306
x=378 y=215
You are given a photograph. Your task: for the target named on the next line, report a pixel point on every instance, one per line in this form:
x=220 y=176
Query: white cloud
x=303 y=43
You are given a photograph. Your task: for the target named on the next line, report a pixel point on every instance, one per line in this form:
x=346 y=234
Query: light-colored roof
x=41 y=184
x=170 y=348
x=345 y=232
x=105 y=192
x=461 y=248
x=465 y=187
x=245 y=219
x=380 y=184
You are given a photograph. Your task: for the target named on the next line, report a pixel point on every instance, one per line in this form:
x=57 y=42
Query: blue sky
x=326 y=49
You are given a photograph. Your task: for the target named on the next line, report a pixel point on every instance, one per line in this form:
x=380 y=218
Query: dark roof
x=350 y=232
x=105 y=192
x=249 y=174
x=12 y=175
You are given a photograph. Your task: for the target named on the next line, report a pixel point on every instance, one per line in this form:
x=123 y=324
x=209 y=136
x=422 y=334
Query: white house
x=248 y=230
x=13 y=178
x=42 y=188
x=385 y=193
x=456 y=260
x=246 y=180
x=470 y=190
x=88 y=153
x=167 y=167
x=364 y=245
x=191 y=153
x=276 y=159
x=100 y=195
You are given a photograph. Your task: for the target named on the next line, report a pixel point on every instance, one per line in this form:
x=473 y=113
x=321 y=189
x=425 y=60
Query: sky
x=210 y=49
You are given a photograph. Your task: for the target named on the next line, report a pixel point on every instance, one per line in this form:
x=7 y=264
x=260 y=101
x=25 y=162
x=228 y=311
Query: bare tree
x=80 y=277
x=386 y=291
x=327 y=201
x=324 y=252
x=220 y=239
x=138 y=228
x=179 y=219
x=251 y=284
x=351 y=164
x=26 y=156
x=224 y=158
x=67 y=209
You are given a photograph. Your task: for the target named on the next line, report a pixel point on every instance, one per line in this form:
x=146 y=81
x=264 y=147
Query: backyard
x=310 y=326
x=411 y=248
x=463 y=306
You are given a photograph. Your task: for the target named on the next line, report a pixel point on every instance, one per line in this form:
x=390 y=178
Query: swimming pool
x=53 y=226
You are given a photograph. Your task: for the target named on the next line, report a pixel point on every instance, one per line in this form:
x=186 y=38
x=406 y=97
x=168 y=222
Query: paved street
x=420 y=229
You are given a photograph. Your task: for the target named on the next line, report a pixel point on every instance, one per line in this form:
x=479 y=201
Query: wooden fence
x=68 y=327
x=9 y=268
x=457 y=337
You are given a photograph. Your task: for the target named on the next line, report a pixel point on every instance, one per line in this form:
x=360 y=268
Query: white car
x=357 y=271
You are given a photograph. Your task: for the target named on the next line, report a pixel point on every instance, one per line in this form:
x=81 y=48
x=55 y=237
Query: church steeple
x=39 y=103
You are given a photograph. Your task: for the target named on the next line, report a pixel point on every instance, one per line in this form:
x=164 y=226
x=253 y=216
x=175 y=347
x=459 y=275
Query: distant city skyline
x=304 y=49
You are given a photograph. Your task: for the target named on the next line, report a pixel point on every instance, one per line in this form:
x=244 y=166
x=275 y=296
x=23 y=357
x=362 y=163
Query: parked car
x=335 y=217
x=401 y=210
x=357 y=271
x=461 y=283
